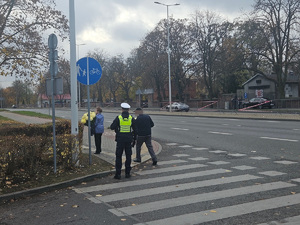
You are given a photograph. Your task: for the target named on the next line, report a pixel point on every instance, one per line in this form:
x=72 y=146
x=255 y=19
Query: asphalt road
x=210 y=171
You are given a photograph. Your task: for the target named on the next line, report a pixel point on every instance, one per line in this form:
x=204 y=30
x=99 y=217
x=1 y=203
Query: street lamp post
x=79 y=99
x=169 y=51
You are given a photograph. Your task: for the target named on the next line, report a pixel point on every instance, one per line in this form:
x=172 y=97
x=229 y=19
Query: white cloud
x=117 y=26
x=96 y=35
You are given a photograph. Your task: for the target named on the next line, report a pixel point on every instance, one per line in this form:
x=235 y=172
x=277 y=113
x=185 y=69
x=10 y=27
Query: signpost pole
x=53 y=120
x=52 y=44
x=89 y=109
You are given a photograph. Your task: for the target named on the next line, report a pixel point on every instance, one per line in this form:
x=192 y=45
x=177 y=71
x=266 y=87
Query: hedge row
x=25 y=156
x=61 y=127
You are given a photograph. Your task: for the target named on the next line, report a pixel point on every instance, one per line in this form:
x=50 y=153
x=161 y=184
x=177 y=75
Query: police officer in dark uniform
x=125 y=128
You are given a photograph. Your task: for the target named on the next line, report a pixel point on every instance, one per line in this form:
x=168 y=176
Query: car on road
x=255 y=101
x=178 y=107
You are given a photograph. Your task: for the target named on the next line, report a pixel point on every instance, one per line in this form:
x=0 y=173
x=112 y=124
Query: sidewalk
x=109 y=147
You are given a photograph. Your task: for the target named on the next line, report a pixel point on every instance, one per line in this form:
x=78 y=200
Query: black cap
x=138 y=109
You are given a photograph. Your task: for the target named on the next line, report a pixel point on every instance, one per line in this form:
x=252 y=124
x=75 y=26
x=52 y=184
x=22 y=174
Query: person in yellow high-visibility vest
x=125 y=128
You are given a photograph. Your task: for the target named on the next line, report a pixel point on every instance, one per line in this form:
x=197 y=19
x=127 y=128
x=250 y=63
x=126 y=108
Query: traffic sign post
x=53 y=56
x=89 y=72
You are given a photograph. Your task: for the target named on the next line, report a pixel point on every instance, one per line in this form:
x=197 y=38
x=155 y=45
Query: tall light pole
x=74 y=103
x=79 y=100
x=169 y=51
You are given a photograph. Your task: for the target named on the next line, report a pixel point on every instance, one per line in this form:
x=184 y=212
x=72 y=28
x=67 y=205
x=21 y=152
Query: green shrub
x=25 y=156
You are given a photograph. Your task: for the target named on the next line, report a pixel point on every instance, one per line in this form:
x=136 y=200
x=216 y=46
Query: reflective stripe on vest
x=125 y=124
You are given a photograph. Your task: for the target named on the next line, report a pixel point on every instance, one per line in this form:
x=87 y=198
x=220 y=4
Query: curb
x=39 y=190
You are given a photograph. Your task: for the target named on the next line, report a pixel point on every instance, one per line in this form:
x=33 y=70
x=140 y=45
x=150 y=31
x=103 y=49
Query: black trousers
x=121 y=146
x=98 y=142
x=139 y=143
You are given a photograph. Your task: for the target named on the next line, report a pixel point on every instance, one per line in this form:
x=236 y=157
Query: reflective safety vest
x=125 y=124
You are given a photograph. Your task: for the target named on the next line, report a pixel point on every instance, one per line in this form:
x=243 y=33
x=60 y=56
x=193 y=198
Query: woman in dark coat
x=99 y=129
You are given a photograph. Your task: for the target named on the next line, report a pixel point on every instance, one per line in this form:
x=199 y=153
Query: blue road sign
x=89 y=70
x=245 y=95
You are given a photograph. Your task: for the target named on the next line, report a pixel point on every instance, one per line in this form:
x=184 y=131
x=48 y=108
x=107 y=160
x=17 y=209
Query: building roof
x=255 y=76
x=291 y=78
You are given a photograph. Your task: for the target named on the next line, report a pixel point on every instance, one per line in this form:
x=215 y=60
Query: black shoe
x=118 y=177
x=127 y=175
x=154 y=163
x=136 y=160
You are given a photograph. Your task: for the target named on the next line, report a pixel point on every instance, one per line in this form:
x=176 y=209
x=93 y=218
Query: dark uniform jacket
x=144 y=124
x=124 y=137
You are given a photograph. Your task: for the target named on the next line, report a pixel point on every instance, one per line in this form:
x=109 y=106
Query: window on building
x=258 y=81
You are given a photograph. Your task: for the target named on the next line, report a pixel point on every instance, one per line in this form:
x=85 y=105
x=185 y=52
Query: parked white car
x=178 y=106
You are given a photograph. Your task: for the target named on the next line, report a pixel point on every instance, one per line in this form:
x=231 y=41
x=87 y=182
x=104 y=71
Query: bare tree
x=22 y=25
x=279 y=24
x=208 y=30
x=153 y=58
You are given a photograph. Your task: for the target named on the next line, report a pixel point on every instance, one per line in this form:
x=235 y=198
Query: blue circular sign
x=89 y=70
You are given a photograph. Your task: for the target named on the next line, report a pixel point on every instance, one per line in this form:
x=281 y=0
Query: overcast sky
x=117 y=26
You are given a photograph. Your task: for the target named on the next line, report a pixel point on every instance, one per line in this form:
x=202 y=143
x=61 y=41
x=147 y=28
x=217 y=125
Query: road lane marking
x=171 y=162
x=185 y=146
x=237 y=154
x=219 y=163
x=172 y=144
x=176 y=128
x=212 y=132
x=287 y=221
x=200 y=149
x=218 y=152
x=198 y=159
x=285 y=162
x=103 y=187
x=174 y=188
x=296 y=129
x=186 y=200
x=244 y=167
x=181 y=155
x=230 y=211
x=271 y=173
x=259 y=158
x=170 y=169
x=279 y=139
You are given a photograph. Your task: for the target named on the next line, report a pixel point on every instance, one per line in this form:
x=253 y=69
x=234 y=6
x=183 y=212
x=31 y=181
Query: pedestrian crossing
x=197 y=185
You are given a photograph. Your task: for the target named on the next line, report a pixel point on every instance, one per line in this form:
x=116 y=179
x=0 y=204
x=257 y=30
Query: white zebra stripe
x=230 y=211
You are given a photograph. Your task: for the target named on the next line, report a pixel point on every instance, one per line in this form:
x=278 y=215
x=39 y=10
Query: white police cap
x=125 y=105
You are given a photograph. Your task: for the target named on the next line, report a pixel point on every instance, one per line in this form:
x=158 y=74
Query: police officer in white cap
x=125 y=128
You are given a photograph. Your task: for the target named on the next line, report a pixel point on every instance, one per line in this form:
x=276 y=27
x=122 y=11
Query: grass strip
x=33 y=114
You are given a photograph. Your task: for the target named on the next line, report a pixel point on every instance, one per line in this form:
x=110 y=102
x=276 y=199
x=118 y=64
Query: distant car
x=178 y=106
x=144 y=104
x=14 y=106
x=256 y=101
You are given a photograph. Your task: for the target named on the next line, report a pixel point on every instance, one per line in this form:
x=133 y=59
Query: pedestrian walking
x=144 y=124
x=99 y=129
x=124 y=126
